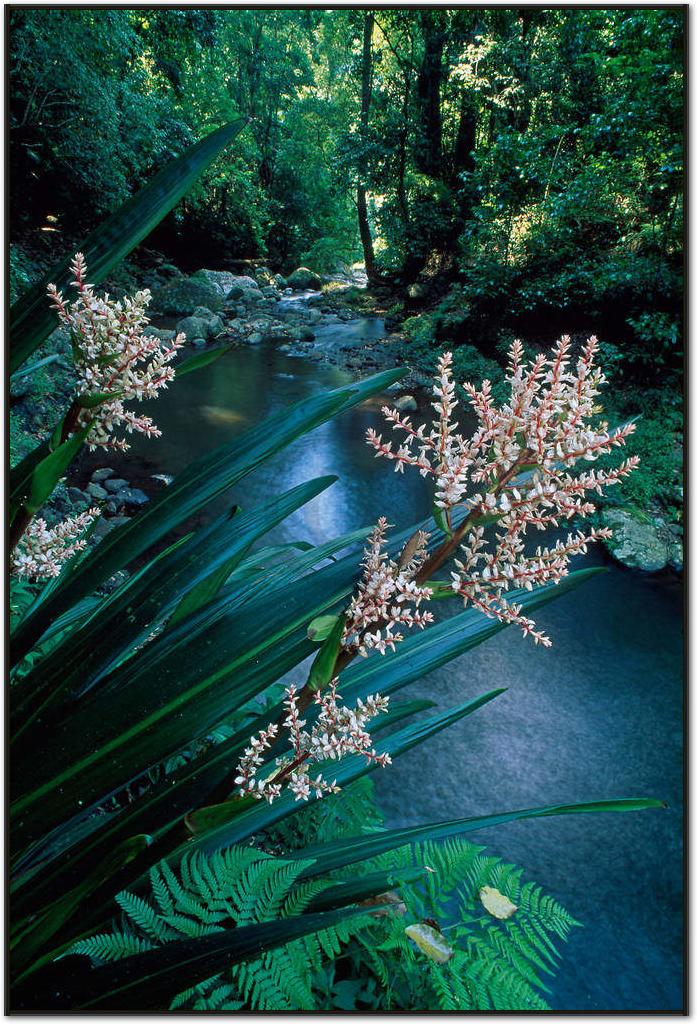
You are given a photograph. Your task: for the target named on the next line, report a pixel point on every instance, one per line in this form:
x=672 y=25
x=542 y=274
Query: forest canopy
x=531 y=157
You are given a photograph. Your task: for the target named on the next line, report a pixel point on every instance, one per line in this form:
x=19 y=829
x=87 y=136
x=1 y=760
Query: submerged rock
x=407 y=403
x=637 y=541
x=132 y=497
x=116 y=485
x=96 y=491
x=162 y=334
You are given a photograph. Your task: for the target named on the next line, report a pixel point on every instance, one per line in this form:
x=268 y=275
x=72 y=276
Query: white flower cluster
x=337 y=731
x=384 y=595
x=42 y=550
x=113 y=358
x=520 y=455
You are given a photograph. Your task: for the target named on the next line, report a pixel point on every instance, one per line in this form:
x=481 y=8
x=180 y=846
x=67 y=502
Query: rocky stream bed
x=218 y=307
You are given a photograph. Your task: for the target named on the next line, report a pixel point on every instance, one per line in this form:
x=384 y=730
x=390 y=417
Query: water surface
x=597 y=716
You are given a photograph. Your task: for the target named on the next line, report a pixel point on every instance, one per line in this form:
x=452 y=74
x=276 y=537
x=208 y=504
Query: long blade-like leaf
x=149 y=981
x=331 y=856
x=345 y=771
x=31 y=319
x=191 y=491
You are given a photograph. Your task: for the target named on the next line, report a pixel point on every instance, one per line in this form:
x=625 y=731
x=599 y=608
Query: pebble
x=105 y=526
x=116 y=485
x=77 y=496
x=132 y=496
x=96 y=491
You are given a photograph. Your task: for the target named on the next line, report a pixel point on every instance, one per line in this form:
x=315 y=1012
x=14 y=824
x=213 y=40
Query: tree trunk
x=428 y=155
x=361 y=198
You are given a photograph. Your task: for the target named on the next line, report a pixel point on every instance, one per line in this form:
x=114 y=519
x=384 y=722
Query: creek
x=598 y=715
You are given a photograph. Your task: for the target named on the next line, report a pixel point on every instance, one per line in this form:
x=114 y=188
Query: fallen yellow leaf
x=496 y=903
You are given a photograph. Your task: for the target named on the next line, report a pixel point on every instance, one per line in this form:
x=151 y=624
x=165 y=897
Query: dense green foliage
x=533 y=156
x=141 y=700
x=471 y=141
x=364 y=964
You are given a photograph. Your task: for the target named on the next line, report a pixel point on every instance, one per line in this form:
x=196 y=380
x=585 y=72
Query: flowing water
x=599 y=715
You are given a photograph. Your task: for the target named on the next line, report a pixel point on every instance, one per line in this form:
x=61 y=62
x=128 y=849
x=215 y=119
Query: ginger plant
x=518 y=472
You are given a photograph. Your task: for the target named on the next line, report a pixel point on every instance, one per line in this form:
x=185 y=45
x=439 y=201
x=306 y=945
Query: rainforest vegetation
x=450 y=180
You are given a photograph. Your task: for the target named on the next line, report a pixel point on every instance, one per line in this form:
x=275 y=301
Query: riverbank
x=337 y=322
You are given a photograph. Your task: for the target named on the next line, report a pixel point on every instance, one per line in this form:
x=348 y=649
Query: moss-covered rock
x=182 y=295
x=303 y=279
x=638 y=541
x=194 y=327
x=224 y=280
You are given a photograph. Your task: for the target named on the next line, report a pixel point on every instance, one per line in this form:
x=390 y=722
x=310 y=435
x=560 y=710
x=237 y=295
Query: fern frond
x=144 y=916
x=105 y=948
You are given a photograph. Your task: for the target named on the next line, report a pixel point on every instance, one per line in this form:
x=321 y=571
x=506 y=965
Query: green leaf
x=191 y=491
x=345 y=771
x=97 y=398
x=179 y=575
x=340 y=853
x=67 y=905
x=427 y=650
x=35 y=482
x=441 y=521
x=320 y=628
x=199 y=360
x=148 y=981
x=322 y=670
x=31 y=318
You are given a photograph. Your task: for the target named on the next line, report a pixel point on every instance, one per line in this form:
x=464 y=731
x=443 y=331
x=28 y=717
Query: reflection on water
x=597 y=716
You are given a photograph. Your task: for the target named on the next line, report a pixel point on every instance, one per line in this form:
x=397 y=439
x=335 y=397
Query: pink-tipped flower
x=337 y=732
x=43 y=550
x=387 y=596
x=113 y=358
x=519 y=470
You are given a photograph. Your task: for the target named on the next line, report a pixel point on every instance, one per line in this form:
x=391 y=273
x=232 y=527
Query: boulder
x=194 y=327
x=103 y=527
x=157 y=332
x=675 y=556
x=270 y=292
x=280 y=282
x=304 y=334
x=407 y=403
x=216 y=326
x=100 y=475
x=637 y=541
x=183 y=295
x=263 y=276
x=255 y=339
x=78 y=497
x=224 y=280
x=303 y=279
x=203 y=312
